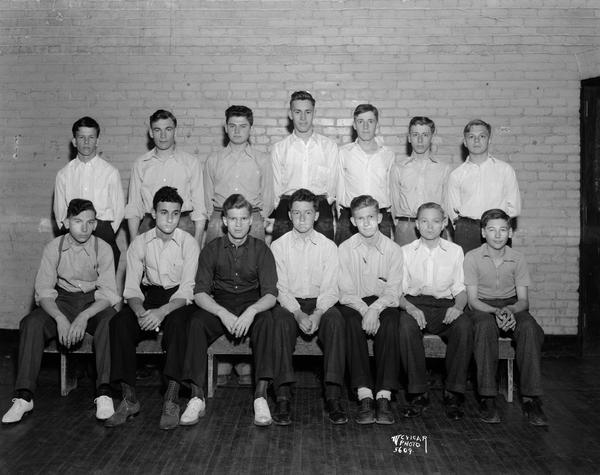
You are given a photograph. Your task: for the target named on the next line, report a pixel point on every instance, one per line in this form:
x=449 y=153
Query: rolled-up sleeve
x=329 y=293
x=190 y=254
x=106 y=285
x=135 y=268
x=197 y=190
x=135 y=205
x=47 y=276
x=267 y=272
x=206 y=270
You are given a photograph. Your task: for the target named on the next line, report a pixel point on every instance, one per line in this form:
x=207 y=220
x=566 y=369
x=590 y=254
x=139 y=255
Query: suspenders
x=60 y=250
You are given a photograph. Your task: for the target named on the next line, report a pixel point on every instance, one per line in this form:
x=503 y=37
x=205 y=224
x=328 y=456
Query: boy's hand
x=151 y=319
x=452 y=314
x=370 y=322
x=62 y=327
x=228 y=320
x=509 y=322
x=243 y=322
x=418 y=315
x=77 y=329
x=303 y=321
x=315 y=319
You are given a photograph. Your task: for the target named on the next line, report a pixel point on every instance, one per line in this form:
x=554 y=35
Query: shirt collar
x=92 y=161
x=413 y=158
x=442 y=244
x=311 y=236
x=154 y=155
x=488 y=159
x=176 y=237
x=509 y=254
x=227 y=243
x=378 y=244
x=69 y=242
x=295 y=137
x=227 y=151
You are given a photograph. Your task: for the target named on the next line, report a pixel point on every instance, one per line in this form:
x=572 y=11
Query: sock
x=104 y=390
x=172 y=391
x=364 y=393
x=261 y=388
x=197 y=391
x=128 y=392
x=24 y=394
x=283 y=392
x=385 y=394
x=332 y=391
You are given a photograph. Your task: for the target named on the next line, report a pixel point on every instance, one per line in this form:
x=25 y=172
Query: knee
x=527 y=326
x=333 y=321
x=409 y=329
x=32 y=321
x=463 y=325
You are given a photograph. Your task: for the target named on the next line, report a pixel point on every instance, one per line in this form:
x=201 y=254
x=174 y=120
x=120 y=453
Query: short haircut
x=85 y=122
x=304 y=195
x=236 y=201
x=363 y=201
x=239 y=111
x=302 y=96
x=475 y=122
x=430 y=205
x=78 y=205
x=362 y=108
x=495 y=213
x=421 y=120
x=162 y=114
x=167 y=194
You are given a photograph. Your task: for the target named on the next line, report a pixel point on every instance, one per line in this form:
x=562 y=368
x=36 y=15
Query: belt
x=182 y=214
x=381 y=210
x=466 y=218
x=406 y=218
x=219 y=209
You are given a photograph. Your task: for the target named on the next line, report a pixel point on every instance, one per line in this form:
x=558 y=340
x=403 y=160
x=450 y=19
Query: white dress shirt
x=311 y=164
x=437 y=272
x=364 y=174
x=95 y=180
x=306 y=268
x=473 y=189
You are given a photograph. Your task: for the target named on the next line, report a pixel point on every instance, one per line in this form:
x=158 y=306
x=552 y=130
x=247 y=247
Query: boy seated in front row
x=159 y=289
x=434 y=300
x=307 y=280
x=497 y=280
x=236 y=286
x=75 y=289
x=370 y=281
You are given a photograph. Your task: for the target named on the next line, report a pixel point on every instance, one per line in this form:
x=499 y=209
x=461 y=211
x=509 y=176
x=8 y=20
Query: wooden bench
x=434 y=348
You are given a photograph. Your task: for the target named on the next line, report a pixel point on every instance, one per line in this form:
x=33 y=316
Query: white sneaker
x=196 y=408
x=104 y=407
x=19 y=408
x=262 y=414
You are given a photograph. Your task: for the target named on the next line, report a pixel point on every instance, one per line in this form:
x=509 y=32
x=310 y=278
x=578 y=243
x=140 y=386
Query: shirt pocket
x=175 y=270
x=444 y=278
x=321 y=175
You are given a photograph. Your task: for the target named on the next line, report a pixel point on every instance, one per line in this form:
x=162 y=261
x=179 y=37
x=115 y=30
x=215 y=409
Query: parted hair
x=494 y=213
x=236 y=201
x=79 y=205
x=304 y=195
x=167 y=194
x=162 y=114
x=363 y=201
x=302 y=96
x=85 y=122
x=239 y=111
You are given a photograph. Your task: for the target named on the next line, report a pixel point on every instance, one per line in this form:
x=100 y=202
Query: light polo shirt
x=248 y=173
x=311 y=164
x=437 y=272
x=179 y=170
x=364 y=174
x=496 y=282
x=95 y=180
x=415 y=181
x=151 y=261
x=307 y=267
x=80 y=269
x=370 y=271
x=473 y=189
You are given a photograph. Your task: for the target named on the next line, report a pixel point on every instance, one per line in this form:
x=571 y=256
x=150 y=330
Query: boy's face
x=167 y=216
x=367 y=220
x=496 y=233
x=303 y=216
x=420 y=137
x=238 y=222
x=163 y=133
x=365 y=125
x=430 y=223
x=477 y=140
x=85 y=141
x=238 y=130
x=301 y=114
x=81 y=226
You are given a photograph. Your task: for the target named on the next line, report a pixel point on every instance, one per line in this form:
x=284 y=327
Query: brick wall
x=513 y=63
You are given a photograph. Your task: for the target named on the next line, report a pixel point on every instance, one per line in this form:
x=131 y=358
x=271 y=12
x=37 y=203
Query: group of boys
x=368 y=287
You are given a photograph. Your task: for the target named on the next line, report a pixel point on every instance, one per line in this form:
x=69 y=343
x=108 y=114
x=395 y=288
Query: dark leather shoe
x=453 y=403
x=282 y=416
x=416 y=406
x=366 y=412
x=383 y=411
x=533 y=410
x=169 y=419
x=336 y=412
x=126 y=410
x=488 y=412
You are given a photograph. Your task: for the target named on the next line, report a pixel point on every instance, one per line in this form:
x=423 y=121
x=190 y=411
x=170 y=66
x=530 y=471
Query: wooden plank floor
x=62 y=436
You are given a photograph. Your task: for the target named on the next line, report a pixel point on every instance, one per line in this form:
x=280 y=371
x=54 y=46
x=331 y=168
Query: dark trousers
x=331 y=334
x=105 y=232
x=467 y=233
x=527 y=336
x=283 y=224
x=205 y=328
x=125 y=334
x=37 y=328
x=345 y=229
x=385 y=348
x=458 y=336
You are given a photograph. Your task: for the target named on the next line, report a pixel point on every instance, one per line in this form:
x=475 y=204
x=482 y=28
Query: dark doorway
x=589 y=263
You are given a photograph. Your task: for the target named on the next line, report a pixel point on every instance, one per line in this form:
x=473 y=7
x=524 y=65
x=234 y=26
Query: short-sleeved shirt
x=224 y=267
x=496 y=282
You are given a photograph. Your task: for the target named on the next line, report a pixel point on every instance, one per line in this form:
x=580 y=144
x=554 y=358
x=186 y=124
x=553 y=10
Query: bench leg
x=506 y=381
x=211 y=375
x=68 y=381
